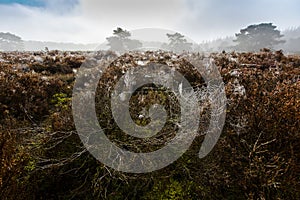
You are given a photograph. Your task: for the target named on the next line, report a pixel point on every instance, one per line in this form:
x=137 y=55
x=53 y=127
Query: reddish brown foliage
x=257 y=156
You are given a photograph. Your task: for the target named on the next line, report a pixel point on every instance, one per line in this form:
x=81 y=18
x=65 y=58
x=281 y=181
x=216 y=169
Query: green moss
x=61 y=101
x=172 y=190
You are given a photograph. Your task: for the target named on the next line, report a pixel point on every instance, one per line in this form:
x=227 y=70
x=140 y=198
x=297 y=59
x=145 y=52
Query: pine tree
x=259 y=36
x=121 y=41
x=11 y=42
x=178 y=43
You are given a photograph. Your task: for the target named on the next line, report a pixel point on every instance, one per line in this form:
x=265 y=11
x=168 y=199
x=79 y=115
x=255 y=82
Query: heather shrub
x=257 y=156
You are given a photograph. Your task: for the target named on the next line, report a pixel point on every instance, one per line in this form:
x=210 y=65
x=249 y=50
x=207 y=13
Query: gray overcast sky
x=84 y=21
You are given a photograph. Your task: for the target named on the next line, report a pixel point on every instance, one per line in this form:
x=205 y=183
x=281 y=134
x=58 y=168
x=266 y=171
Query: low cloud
x=84 y=21
x=216 y=18
x=39 y=23
x=88 y=20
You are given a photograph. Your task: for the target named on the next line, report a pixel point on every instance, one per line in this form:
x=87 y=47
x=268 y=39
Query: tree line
x=252 y=38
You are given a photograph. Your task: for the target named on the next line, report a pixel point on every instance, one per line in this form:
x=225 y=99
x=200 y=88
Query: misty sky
x=88 y=21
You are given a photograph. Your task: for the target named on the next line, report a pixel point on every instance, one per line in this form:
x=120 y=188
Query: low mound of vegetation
x=42 y=157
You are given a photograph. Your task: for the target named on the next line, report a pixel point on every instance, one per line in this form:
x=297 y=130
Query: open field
x=257 y=156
